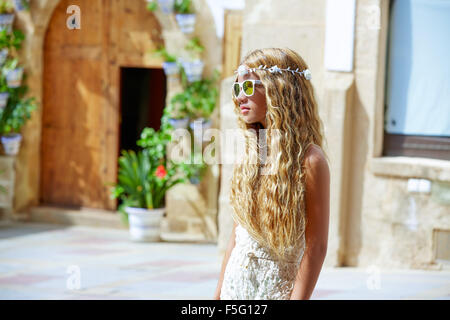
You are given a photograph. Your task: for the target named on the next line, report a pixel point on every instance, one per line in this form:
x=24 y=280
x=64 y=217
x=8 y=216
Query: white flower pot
x=14 y=77
x=145 y=224
x=11 y=143
x=193 y=69
x=166 y=6
x=198 y=127
x=179 y=123
x=170 y=68
x=3 y=55
x=186 y=22
x=6 y=21
x=194 y=180
x=21 y=5
x=3 y=99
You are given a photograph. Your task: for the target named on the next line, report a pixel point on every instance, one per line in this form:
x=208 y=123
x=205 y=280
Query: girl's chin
x=250 y=121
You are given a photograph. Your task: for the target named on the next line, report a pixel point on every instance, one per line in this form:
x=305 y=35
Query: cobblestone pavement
x=42 y=261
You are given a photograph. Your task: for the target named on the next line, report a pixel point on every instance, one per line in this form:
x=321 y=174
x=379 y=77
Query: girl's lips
x=245 y=109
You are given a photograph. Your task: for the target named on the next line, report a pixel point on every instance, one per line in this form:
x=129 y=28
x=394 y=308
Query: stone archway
x=79 y=98
x=129 y=44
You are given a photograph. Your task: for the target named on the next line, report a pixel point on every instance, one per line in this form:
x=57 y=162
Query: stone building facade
x=85 y=63
x=375 y=219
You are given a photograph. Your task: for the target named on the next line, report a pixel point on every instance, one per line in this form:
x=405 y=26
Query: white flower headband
x=242 y=70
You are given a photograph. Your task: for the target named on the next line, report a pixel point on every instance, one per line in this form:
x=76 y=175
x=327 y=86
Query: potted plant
x=185 y=15
x=155 y=142
x=12 y=118
x=177 y=112
x=197 y=167
x=9 y=40
x=22 y=5
x=170 y=64
x=202 y=97
x=13 y=73
x=4 y=93
x=6 y=15
x=198 y=127
x=144 y=178
x=139 y=188
x=3 y=55
x=165 y=5
x=193 y=68
x=152 y=5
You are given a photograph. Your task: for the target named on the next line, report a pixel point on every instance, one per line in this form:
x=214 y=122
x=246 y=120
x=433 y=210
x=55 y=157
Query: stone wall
x=374 y=219
x=34 y=24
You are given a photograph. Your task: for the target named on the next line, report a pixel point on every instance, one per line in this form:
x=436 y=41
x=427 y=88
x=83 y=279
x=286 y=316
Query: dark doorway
x=142 y=100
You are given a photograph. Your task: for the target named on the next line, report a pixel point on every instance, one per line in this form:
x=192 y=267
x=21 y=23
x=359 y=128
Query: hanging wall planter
x=179 y=123
x=6 y=21
x=145 y=224
x=22 y=5
x=170 y=68
x=186 y=22
x=204 y=125
x=11 y=143
x=166 y=6
x=3 y=99
x=14 y=77
x=3 y=55
x=170 y=65
x=194 y=180
x=193 y=69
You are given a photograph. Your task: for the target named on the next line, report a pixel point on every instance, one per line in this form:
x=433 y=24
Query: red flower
x=160 y=171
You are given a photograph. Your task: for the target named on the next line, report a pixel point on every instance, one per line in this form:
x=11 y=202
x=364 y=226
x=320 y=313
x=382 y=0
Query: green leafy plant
x=183 y=7
x=202 y=96
x=14 y=117
x=9 y=65
x=2 y=188
x=197 y=167
x=11 y=39
x=152 y=5
x=155 y=142
x=3 y=86
x=145 y=176
x=25 y=4
x=162 y=52
x=6 y=7
x=178 y=106
x=140 y=183
x=195 y=48
x=18 y=109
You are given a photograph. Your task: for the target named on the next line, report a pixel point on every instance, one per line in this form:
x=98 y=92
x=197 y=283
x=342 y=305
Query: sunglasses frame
x=241 y=87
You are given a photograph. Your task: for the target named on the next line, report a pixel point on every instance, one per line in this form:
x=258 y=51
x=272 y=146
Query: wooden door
x=73 y=170
x=80 y=124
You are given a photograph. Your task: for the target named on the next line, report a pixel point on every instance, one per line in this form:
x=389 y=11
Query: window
x=417 y=106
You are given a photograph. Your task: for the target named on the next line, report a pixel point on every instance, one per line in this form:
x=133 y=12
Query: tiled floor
x=40 y=261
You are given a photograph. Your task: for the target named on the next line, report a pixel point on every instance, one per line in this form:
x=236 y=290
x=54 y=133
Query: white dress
x=252 y=274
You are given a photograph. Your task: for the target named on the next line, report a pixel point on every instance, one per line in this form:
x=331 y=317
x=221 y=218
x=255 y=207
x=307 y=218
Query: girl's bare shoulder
x=314 y=152
x=315 y=157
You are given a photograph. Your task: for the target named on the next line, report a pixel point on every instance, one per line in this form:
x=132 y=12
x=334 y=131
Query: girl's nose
x=242 y=97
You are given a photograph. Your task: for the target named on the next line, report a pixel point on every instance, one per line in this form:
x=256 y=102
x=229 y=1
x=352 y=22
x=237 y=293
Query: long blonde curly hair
x=271 y=207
